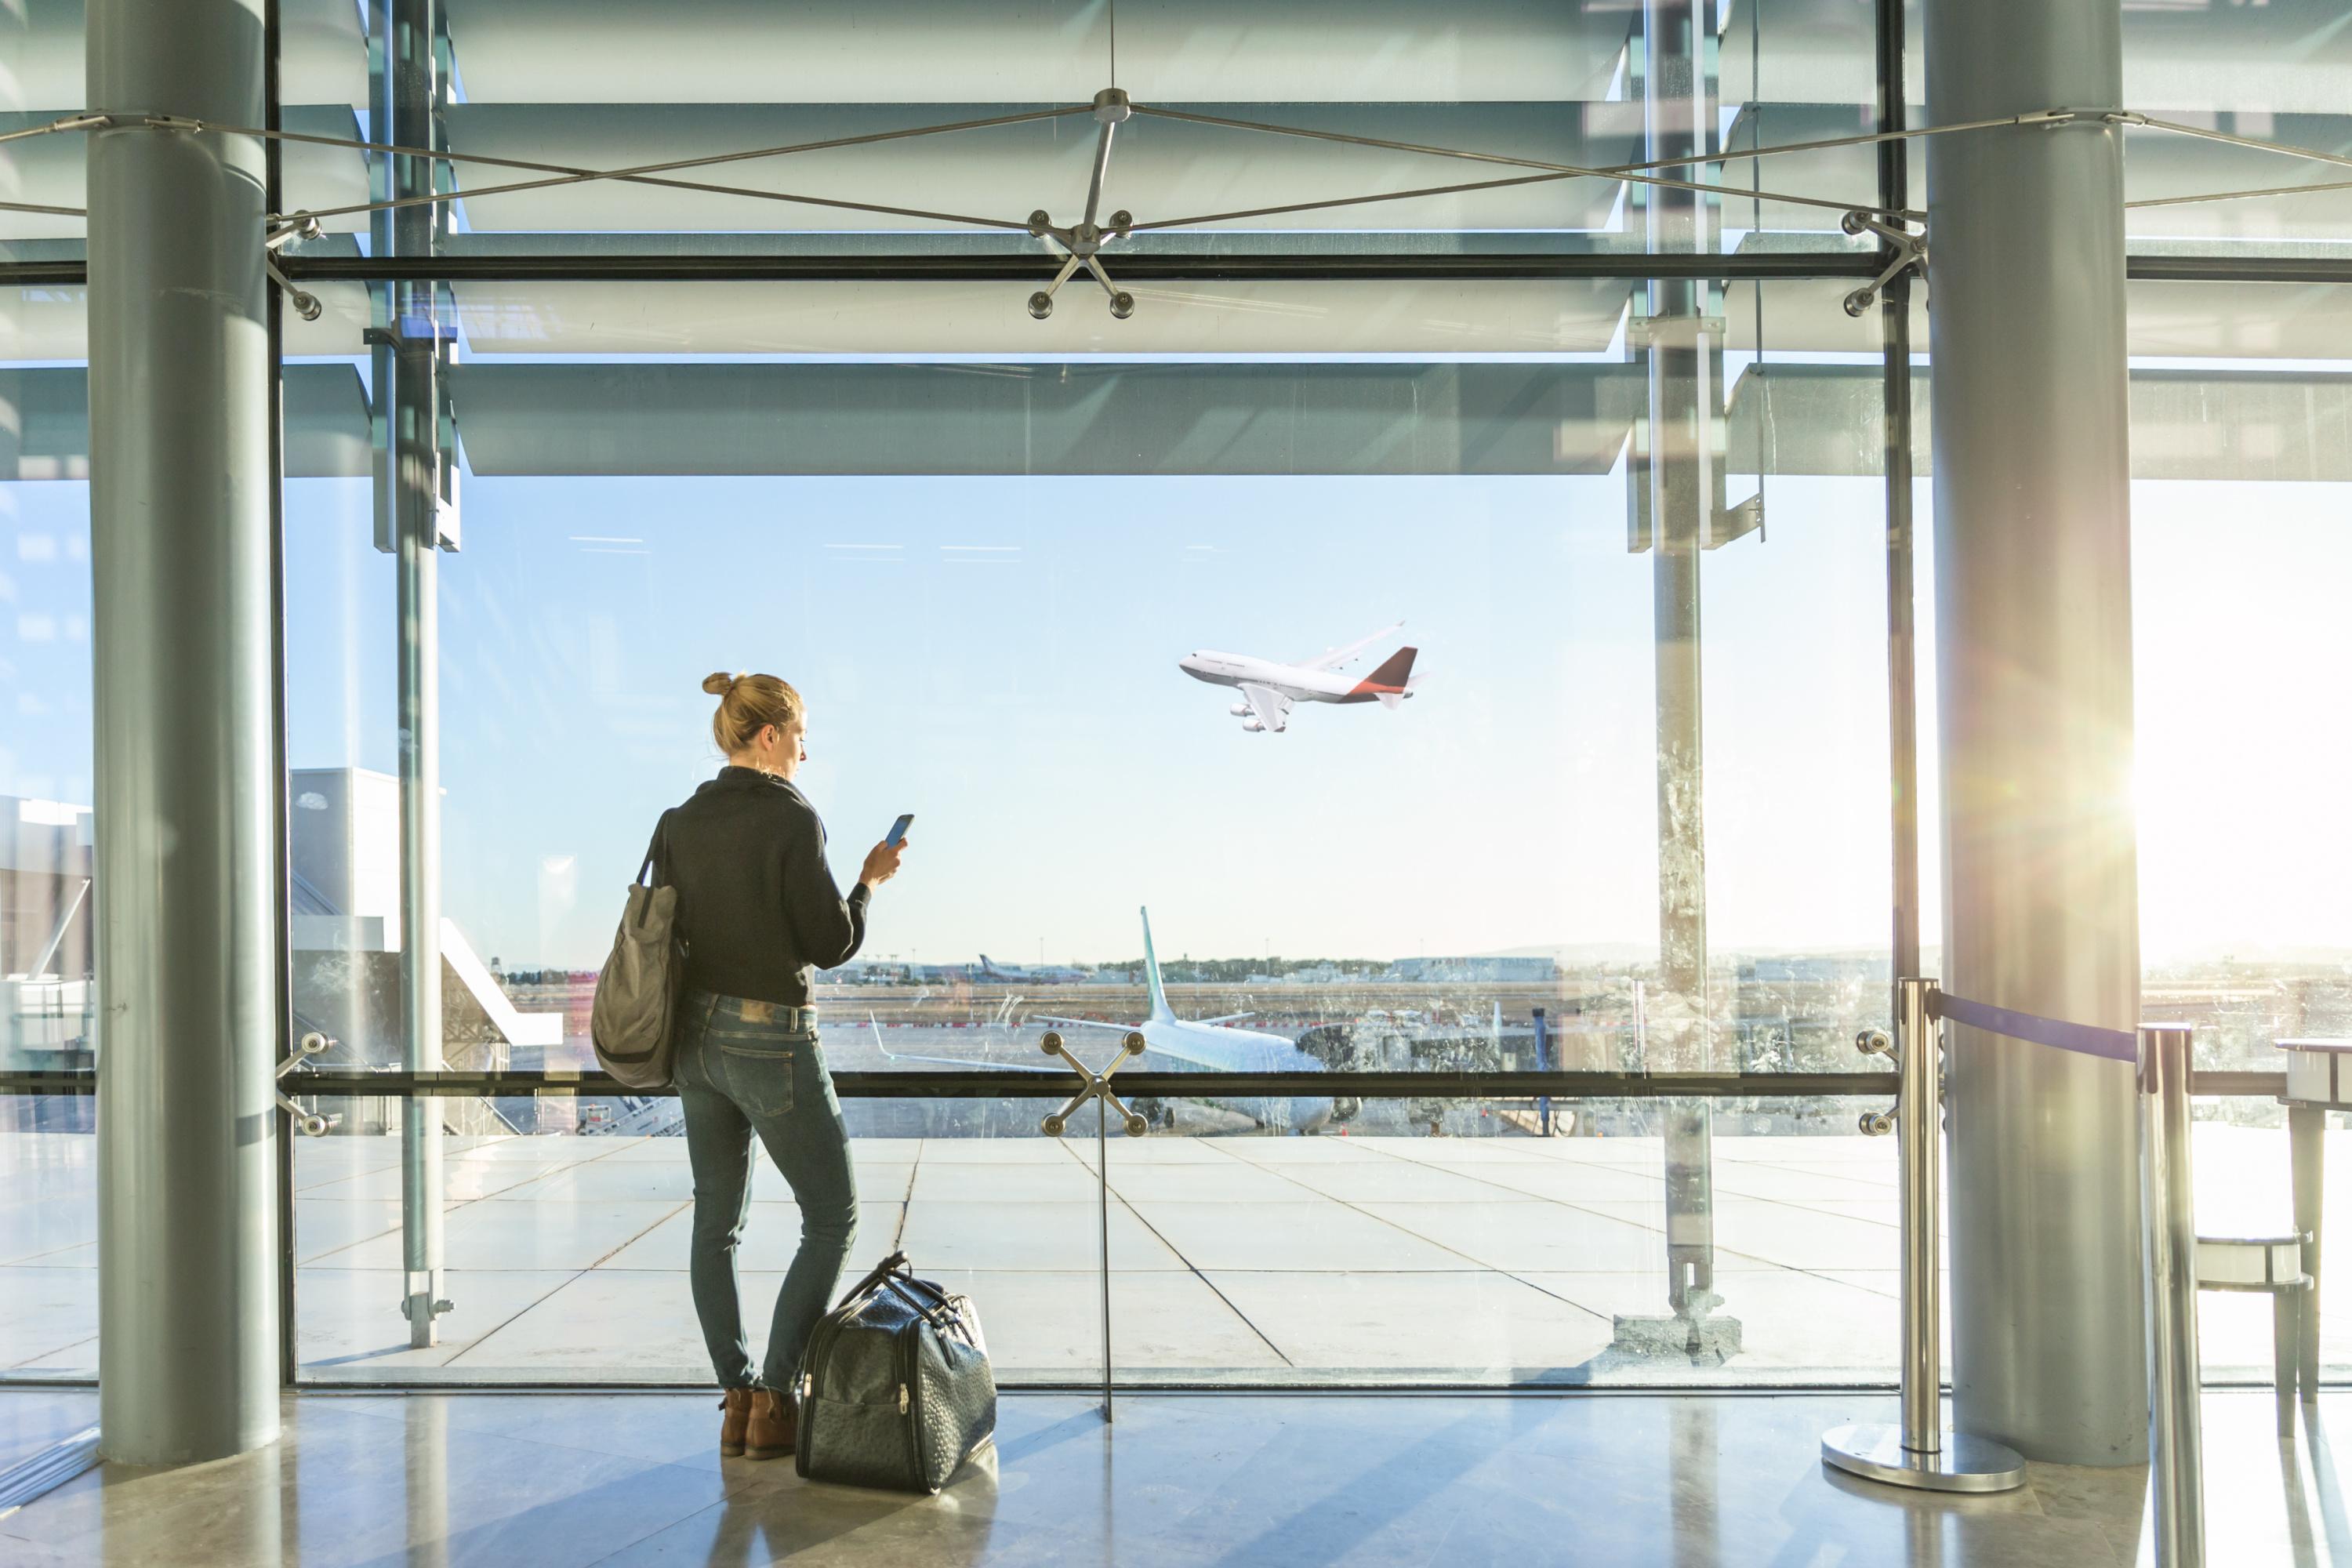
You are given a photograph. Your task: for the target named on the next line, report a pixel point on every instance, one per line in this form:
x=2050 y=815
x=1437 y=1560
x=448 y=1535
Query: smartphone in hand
x=898 y=829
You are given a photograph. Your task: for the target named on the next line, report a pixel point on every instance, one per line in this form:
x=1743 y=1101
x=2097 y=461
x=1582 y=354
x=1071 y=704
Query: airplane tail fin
x=1393 y=681
x=1160 y=1012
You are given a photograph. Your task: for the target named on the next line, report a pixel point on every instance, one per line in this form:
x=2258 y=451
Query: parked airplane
x=1014 y=974
x=1268 y=689
x=1206 y=1045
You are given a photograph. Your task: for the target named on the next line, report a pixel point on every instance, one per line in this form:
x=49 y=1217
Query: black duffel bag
x=896 y=1389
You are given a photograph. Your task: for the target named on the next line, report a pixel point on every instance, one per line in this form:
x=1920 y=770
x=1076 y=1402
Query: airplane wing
x=1079 y=1024
x=1332 y=658
x=1235 y=1018
x=1270 y=708
x=888 y=1054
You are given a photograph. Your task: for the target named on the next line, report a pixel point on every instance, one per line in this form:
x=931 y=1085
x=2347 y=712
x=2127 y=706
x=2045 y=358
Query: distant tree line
x=1233 y=970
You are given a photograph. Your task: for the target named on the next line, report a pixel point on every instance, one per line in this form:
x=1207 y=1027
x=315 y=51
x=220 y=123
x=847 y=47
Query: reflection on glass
x=48 y=1237
x=47 y=898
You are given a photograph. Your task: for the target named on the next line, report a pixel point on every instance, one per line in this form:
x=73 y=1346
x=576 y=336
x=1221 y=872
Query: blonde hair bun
x=748 y=704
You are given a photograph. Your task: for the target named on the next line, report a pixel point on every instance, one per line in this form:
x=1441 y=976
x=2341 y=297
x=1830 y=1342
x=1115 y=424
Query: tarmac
x=1235 y=1260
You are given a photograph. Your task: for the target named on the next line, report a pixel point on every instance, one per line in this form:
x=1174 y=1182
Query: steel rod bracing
x=1191 y=266
x=1638 y=173
x=646 y=173
x=2248 y=194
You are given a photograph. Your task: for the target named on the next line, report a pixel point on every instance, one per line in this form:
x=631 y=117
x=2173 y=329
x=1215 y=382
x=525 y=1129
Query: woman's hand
x=882 y=863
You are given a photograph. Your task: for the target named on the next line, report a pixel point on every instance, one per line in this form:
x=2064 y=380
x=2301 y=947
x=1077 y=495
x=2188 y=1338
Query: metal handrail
x=982 y=1083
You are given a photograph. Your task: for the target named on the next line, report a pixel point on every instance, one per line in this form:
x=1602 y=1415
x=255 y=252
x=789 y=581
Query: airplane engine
x=1345 y=1109
x=1239 y=710
x=1252 y=726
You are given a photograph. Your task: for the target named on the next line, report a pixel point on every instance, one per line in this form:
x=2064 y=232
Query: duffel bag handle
x=942 y=1313
x=881 y=1271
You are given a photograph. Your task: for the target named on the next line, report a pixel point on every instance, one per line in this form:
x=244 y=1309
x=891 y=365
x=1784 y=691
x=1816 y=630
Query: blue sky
x=998 y=656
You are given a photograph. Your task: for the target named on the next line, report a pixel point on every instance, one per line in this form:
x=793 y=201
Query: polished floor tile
x=1415 y=1481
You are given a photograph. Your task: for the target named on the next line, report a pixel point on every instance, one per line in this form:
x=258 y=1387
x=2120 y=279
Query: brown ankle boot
x=774 y=1423
x=732 y=1425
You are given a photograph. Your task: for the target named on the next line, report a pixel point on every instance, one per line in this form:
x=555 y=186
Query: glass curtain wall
x=1003 y=556
x=557 y=447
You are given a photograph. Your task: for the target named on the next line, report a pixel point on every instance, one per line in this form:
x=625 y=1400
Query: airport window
x=1443 y=706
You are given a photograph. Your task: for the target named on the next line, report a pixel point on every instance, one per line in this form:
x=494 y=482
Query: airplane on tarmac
x=1268 y=689
x=1207 y=1045
x=1013 y=974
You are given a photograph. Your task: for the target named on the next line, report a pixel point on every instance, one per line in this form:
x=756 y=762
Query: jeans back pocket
x=760 y=1068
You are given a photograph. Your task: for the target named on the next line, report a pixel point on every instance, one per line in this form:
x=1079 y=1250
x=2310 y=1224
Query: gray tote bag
x=636 y=991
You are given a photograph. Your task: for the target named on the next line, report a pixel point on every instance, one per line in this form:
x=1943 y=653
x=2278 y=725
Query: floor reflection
x=1300 y=1481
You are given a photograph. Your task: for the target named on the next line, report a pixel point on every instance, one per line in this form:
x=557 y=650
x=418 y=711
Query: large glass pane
x=46 y=742
x=2274 y=74
x=1375 y=1259
x=1520 y=90
x=2240 y=465
x=48 y=1237
x=987 y=571
x=985 y=574
x=40 y=81
x=1378 y=1259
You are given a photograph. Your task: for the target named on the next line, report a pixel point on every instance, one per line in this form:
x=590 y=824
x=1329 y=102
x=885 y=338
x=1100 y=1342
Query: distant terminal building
x=1473 y=970
x=1816 y=969
x=867 y=972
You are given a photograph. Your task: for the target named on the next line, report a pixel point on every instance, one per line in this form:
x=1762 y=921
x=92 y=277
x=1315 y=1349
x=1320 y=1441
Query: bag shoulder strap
x=653 y=853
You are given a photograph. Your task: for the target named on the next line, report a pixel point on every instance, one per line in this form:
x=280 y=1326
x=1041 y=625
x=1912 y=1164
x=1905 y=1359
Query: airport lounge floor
x=1238 y=1481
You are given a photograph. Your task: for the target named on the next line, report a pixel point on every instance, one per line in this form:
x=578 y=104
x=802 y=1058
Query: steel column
x=1902 y=663
x=1681 y=480
x=406 y=31
x=2033 y=627
x=187 y=921
x=2176 y=1468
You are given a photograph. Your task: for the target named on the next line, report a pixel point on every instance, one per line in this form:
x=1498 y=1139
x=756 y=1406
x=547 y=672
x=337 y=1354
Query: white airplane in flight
x=1268 y=689
x=1208 y=1045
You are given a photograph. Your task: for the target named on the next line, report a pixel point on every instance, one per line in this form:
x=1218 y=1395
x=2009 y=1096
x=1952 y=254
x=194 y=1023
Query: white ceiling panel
x=1034 y=51
x=991 y=317
x=322 y=55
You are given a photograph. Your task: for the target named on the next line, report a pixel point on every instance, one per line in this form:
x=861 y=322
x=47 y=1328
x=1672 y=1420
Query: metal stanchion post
x=1920 y=1452
x=1102 y=1190
x=2176 y=1469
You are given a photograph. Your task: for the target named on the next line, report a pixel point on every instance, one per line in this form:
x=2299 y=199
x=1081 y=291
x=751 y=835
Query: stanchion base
x=1964 y=1464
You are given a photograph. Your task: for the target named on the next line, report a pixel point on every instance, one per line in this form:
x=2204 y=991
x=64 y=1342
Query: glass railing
x=1442 y=1241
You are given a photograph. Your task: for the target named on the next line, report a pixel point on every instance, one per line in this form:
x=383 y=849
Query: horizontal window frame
x=982 y=1083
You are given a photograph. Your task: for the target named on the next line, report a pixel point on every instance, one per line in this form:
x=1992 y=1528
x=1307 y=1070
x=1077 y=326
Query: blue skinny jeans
x=739 y=1074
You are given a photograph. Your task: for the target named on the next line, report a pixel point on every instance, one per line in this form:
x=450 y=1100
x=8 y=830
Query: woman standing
x=758 y=909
